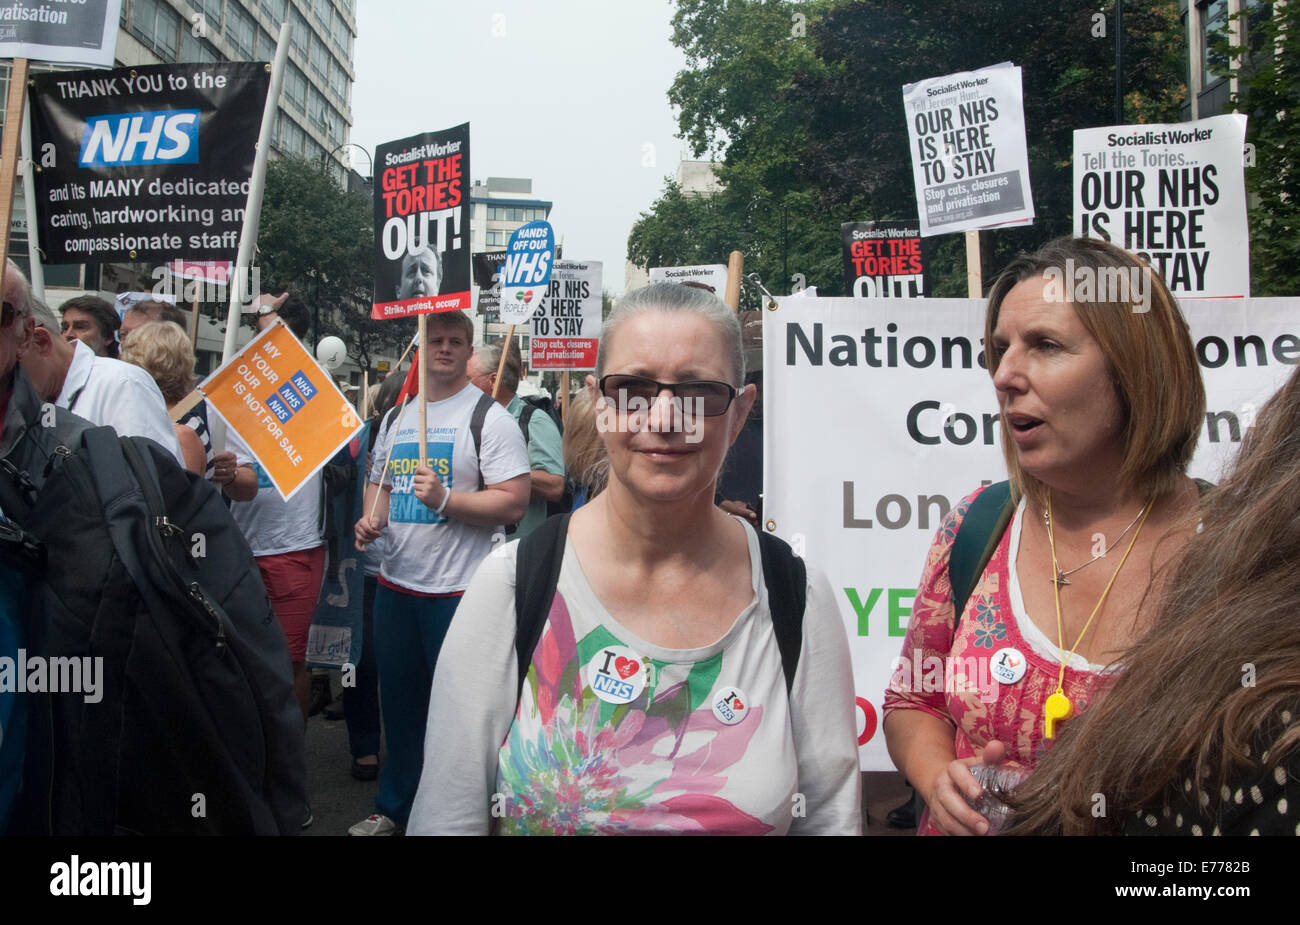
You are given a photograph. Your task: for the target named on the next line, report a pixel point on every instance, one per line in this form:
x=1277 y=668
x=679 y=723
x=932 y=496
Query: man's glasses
x=7 y=314
x=633 y=392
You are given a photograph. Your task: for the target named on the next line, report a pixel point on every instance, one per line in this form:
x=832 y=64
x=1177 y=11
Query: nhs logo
x=133 y=139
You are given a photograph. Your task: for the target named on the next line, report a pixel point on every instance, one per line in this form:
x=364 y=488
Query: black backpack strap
x=537 y=572
x=976 y=540
x=525 y=418
x=786 y=578
x=476 y=431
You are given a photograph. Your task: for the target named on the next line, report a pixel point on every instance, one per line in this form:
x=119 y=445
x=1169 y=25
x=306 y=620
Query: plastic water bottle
x=996 y=781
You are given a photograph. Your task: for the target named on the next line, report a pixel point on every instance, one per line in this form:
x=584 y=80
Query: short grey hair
x=666 y=298
x=488 y=358
x=43 y=314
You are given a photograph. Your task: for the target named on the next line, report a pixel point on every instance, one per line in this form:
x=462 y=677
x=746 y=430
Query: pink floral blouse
x=953 y=676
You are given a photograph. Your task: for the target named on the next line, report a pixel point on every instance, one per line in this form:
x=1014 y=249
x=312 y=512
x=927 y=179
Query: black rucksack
x=197 y=730
x=537 y=572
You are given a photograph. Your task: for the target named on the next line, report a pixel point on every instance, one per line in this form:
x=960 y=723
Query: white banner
x=969 y=159
x=894 y=396
x=711 y=275
x=83 y=32
x=1174 y=194
x=566 y=329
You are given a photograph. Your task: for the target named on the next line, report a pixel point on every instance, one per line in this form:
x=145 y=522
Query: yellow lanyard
x=1058 y=706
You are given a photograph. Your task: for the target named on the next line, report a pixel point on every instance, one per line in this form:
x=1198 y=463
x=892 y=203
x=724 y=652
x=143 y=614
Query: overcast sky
x=570 y=93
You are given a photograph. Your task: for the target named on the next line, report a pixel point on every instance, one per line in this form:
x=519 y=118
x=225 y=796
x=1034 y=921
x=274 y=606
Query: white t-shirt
x=119 y=395
x=427 y=552
x=269 y=523
x=560 y=759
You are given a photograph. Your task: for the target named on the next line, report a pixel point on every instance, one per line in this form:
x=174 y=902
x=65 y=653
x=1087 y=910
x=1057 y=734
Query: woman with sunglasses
x=656 y=699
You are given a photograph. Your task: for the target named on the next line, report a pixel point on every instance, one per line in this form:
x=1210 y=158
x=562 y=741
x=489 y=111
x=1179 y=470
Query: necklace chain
x=1061 y=575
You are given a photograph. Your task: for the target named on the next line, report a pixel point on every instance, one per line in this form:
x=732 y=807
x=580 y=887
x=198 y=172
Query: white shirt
x=270 y=524
x=662 y=763
x=429 y=552
x=119 y=395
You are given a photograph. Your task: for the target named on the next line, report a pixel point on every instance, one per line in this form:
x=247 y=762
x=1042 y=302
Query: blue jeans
x=408 y=635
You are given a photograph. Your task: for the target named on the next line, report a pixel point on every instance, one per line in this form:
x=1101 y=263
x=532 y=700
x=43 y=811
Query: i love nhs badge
x=1007 y=665
x=730 y=705
x=616 y=674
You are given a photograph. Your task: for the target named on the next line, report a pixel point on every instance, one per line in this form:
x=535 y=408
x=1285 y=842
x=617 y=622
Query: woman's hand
x=949 y=810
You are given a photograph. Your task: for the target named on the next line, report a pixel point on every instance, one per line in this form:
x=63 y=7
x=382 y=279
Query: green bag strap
x=976 y=540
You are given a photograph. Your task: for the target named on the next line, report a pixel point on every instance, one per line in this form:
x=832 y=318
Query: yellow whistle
x=1056 y=707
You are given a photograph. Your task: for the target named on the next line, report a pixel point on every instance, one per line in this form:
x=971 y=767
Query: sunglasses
x=7 y=314
x=712 y=398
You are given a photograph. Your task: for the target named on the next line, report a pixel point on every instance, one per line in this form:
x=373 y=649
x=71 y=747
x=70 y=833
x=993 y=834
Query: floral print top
x=951 y=676
x=562 y=760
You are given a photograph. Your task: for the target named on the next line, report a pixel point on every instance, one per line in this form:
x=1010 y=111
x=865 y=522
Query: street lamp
x=325 y=158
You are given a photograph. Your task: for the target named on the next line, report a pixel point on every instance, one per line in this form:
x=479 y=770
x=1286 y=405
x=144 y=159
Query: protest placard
x=146 y=163
x=1173 y=194
x=422 y=260
x=566 y=329
x=895 y=398
x=969 y=159
x=884 y=260
x=487 y=279
x=526 y=272
x=284 y=406
x=712 y=277
x=83 y=32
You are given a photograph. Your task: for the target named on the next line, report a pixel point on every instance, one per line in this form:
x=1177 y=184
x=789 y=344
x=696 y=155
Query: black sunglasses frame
x=732 y=392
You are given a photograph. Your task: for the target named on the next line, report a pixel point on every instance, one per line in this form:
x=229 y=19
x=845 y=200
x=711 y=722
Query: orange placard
x=283 y=405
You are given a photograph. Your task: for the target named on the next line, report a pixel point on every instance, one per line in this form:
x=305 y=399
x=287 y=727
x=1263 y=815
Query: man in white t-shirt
x=440 y=520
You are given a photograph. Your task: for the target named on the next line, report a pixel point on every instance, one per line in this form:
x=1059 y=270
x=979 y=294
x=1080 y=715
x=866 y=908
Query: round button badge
x=1007 y=665
x=616 y=674
x=730 y=705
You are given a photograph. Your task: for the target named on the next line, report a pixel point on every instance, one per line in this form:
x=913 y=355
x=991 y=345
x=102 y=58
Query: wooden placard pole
x=9 y=152
x=735 y=270
x=194 y=319
x=501 y=366
x=564 y=395
x=364 y=404
x=974 y=275
x=422 y=359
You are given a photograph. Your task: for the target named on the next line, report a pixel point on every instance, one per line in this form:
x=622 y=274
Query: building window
x=338 y=80
x=275 y=9
x=263 y=46
x=496 y=239
x=158 y=27
x=295 y=87
x=300 y=33
x=211 y=9
x=241 y=31
x=1214 y=38
x=320 y=59
x=196 y=50
x=339 y=31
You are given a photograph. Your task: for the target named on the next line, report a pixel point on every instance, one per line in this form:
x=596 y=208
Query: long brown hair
x=1206 y=690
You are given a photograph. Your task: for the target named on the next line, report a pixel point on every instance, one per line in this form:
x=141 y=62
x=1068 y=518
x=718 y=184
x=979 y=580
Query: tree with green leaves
x=318 y=240
x=1269 y=93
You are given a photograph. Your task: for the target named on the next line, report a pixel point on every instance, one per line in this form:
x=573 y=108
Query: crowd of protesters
x=651 y=661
